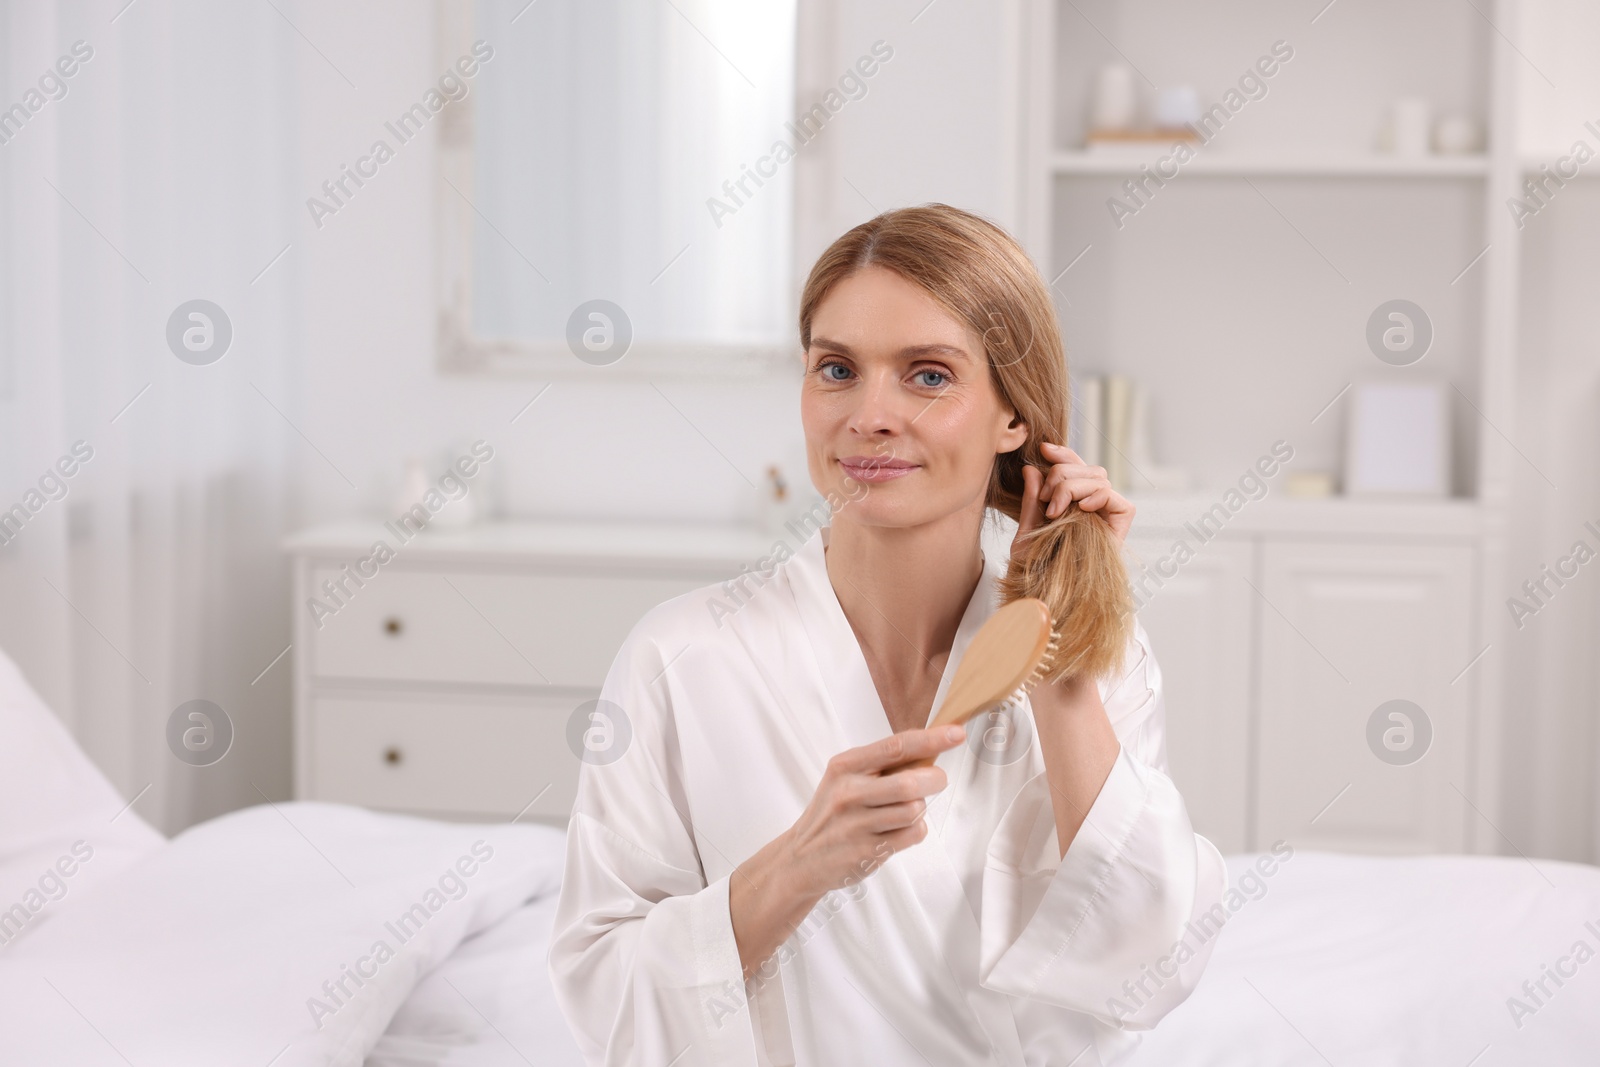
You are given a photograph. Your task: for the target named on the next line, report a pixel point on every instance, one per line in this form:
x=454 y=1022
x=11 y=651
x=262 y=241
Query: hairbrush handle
x=948 y=717
x=1006 y=656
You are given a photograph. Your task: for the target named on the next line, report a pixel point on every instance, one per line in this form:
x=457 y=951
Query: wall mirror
x=611 y=195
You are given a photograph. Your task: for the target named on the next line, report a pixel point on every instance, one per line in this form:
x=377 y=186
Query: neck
x=906 y=588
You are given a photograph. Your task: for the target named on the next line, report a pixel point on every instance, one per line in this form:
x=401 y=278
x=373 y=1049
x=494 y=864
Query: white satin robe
x=979 y=945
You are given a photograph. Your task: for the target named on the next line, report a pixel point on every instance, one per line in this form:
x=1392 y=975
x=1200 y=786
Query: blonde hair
x=982 y=276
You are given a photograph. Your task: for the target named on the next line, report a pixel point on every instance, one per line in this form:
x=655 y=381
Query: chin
x=882 y=507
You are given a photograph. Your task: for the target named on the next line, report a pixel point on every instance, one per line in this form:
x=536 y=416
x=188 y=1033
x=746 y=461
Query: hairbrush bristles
x=1040 y=669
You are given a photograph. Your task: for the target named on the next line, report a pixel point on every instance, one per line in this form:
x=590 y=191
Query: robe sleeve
x=643 y=959
x=1122 y=926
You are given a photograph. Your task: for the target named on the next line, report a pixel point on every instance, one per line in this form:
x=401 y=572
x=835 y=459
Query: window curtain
x=156 y=173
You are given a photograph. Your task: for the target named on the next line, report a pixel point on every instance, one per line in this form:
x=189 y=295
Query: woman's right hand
x=866 y=808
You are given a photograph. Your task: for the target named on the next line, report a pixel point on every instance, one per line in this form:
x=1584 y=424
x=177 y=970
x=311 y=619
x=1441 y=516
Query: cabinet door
x=1345 y=629
x=1199 y=622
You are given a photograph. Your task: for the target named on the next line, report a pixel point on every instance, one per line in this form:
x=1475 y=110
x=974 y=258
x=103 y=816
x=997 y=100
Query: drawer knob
x=392 y=756
x=392 y=626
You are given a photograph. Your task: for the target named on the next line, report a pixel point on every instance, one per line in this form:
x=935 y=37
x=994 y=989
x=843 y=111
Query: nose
x=877 y=413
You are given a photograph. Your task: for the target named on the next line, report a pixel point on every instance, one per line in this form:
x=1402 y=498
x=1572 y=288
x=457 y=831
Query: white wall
x=1551 y=691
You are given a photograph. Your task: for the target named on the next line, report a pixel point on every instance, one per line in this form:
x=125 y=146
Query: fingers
x=1032 y=509
x=1075 y=480
x=859 y=804
x=1078 y=472
x=1091 y=489
x=1060 y=453
x=896 y=749
x=916 y=783
x=891 y=817
x=1090 y=493
x=907 y=836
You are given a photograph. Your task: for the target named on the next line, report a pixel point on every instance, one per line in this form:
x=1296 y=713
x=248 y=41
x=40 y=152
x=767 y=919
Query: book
x=1118 y=422
x=1088 y=415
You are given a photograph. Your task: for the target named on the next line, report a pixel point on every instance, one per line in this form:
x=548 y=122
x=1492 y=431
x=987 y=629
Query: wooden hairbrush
x=1007 y=656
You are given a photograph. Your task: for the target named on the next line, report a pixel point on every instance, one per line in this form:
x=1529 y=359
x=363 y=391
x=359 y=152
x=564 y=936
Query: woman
x=751 y=880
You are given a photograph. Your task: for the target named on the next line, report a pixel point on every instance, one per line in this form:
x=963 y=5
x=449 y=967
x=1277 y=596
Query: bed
x=1335 y=959
x=253 y=939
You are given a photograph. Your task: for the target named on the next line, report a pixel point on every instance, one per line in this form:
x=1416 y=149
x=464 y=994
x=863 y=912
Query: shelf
x=1453 y=517
x=1531 y=162
x=1127 y=160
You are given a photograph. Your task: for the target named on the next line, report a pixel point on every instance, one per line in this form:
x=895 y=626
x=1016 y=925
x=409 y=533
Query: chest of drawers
x=441 y=681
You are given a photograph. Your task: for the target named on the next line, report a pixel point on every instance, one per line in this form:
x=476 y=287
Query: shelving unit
x=1285 y=515
x=1122 y=161
x=1238 y=295
x=1531 y=164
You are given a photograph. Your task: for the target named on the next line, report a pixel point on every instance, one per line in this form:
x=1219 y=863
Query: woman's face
x=899 y=411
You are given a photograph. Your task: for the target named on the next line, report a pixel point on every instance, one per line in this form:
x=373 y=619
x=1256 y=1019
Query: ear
x=1014 y=436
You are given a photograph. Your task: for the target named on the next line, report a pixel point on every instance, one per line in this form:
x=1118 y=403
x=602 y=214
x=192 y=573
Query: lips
x=876 y=468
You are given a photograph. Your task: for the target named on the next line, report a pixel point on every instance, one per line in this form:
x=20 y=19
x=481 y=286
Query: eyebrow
x=931 y=349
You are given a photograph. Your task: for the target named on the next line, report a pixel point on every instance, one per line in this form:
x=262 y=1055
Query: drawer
x=474 y=627
x=450 y=757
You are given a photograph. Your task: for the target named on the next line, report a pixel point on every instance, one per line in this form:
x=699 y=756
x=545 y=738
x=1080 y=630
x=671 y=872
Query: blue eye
x=826 y=370
x=937 y=374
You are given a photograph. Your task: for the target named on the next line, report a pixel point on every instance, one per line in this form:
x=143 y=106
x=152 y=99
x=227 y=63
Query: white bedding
x=53 y=797
x=208 y=951
x=488 y=1005
x=1372 y=961
x=1395 y=961
x=235 y=942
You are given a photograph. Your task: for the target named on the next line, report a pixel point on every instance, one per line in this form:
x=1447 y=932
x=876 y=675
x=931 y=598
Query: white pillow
x=57 y=834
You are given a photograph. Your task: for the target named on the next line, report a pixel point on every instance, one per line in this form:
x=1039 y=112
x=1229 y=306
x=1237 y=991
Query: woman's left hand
x=1046 y=496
